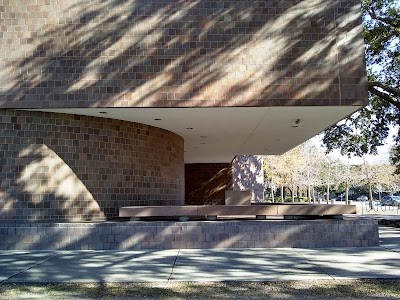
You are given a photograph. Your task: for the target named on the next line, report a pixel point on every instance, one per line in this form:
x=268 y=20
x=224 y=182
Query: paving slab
x=351 y=263
x=14 y=262
x=389 y=238
x=102 y=266
x=205 y=264
x=244 y=265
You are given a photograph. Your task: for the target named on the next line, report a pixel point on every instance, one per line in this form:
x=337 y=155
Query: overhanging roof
x=217 y=134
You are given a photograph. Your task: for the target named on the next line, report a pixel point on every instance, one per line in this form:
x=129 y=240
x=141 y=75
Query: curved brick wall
x=60 y=166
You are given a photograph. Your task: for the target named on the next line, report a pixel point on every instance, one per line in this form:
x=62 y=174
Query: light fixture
x=189 y=128
x=157 y=119
x=297 y=122
x=103 y=112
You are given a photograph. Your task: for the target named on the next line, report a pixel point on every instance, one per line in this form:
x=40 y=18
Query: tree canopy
x=307 y=172
x=369 y=128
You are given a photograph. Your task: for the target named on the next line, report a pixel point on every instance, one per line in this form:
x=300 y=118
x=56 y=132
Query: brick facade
x=60 y=166
x=189 y=235
x=79 y=53
x=207 y=183
x=155 y=54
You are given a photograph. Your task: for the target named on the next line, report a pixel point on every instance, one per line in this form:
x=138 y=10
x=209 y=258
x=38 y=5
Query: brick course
x=189 y=235
x=154 y=53
x=60 y=166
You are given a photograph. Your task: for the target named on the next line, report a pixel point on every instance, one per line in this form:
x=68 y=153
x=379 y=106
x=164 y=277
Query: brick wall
x=60 y=166
x=153 y=53
x=207 y=183
x=189 y=235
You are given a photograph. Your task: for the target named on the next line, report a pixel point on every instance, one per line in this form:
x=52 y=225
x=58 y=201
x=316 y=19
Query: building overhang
x=217 y=134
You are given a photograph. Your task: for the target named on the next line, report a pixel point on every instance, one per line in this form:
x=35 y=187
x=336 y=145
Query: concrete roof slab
x=217 y=134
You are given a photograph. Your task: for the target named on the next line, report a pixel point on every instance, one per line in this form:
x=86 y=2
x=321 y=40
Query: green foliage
x=367 y=129
x=395 y=157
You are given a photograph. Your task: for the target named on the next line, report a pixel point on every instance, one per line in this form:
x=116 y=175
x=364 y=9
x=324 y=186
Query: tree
x=395 y=157
x=387 y=179
x=382 y=175
x=312 y=178
x=285 y=170
x=348 y=176
x=367 y=129
x=296 y=170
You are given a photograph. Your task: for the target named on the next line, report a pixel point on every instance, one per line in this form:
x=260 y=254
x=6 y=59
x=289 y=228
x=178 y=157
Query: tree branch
x=385 y=21
x=387 y=88
x=386 y=97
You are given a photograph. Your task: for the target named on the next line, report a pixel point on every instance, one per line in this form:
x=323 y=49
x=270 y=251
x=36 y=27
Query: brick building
x=113 y=103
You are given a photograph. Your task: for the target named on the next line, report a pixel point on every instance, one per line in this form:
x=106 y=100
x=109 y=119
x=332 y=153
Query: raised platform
x=189 y=235
x=259 y=211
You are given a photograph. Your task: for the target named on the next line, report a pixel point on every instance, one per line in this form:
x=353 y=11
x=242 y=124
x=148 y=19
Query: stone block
x=219 y=234
x=237 y=197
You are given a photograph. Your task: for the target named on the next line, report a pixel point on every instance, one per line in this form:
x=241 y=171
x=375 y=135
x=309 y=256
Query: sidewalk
x=204 y=265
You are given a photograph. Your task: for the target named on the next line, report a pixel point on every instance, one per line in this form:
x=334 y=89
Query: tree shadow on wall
x=209 y=185
x=183 y=53
x=248 y=175
x=140 y=53
x=46 y=188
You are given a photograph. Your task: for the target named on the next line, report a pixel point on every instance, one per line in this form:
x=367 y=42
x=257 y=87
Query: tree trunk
x=298 y=194
x=272 y=194
x=313 y=195
x=282 y=194
x=309 y=194
x=292 y=190
x=327 y=193
x=370 y=195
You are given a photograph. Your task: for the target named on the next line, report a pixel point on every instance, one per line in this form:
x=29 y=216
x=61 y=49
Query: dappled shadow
x=60 y=166
x=47 y=188
x=227 y=265
x=90 y=266
x=248 y=174
x=372 y=262
x=164 y=54
x=183 y=53
x=207 y=183
x=185 y=235
x=143 y=265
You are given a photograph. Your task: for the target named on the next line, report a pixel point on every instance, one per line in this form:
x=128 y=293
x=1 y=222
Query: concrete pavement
x=205 y=265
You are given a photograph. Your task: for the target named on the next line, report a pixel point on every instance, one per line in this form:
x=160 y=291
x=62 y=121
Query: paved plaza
x=205 y=265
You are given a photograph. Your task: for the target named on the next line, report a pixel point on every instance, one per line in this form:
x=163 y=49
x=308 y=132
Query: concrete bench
x=237 y=198
x=212 y=212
